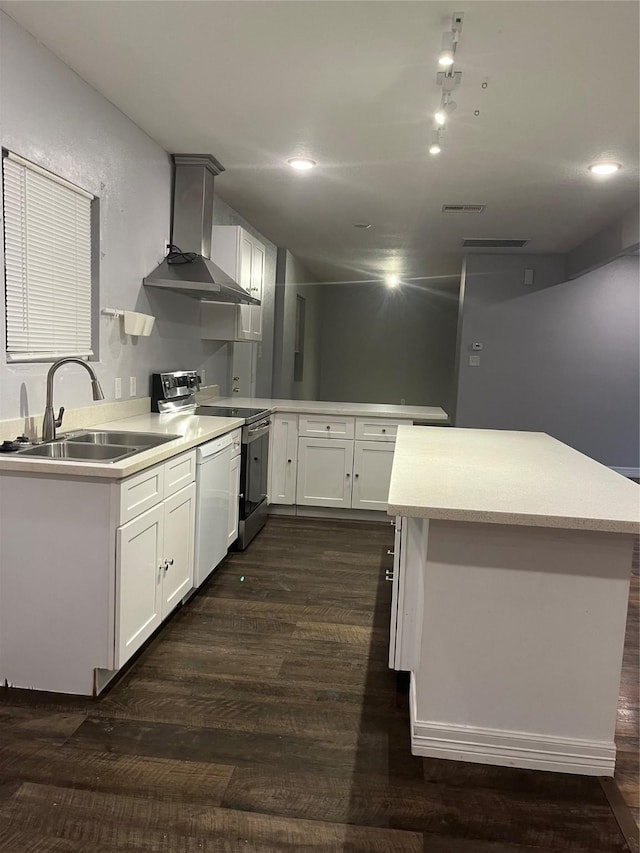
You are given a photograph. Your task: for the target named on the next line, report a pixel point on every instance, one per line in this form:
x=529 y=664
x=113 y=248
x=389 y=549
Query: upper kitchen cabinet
x=242 y=257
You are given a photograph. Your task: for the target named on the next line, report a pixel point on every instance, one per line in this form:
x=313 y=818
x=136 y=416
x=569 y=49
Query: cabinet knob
x=384 y=430
x=390 y=553
x=348 y=475
x=289 y=461
x=170 y=562
x=357 y=475
x=328 y=426
x=162 y=567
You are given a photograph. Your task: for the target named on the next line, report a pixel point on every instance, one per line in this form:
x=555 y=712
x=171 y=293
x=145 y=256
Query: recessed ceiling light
x=604 y=167
x=435 y=148
x=302 y=164
x=392 y=280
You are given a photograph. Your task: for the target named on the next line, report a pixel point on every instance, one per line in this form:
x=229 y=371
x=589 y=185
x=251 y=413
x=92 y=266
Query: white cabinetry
x=372 y=463
x=154 y=555
x=332 y=461
x=242 y=257
x=324 y=472
x=90 y=567
x=283 y=456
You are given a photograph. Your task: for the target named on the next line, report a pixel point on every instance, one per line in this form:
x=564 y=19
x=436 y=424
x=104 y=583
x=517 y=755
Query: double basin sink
x=98 y=446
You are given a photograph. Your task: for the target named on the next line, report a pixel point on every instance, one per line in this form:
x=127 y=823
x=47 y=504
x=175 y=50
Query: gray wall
x=382 y=346
x=560 y=356
x=293 y=280
x=619 y=237
x=51 y=116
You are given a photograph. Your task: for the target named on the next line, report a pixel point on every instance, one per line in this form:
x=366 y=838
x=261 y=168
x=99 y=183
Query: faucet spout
x=49 y=423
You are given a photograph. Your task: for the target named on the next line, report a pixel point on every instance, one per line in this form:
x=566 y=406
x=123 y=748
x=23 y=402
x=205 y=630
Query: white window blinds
x=47 y=237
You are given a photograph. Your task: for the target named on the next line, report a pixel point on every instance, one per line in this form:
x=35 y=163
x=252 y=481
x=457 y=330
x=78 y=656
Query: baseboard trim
x=330 y=512
x=626 y=472
x=510 y=749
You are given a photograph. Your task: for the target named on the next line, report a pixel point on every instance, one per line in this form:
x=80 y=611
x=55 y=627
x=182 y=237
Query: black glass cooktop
x=231 y=412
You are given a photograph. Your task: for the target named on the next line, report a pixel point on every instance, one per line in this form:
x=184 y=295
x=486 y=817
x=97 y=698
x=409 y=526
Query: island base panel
x=521 y=646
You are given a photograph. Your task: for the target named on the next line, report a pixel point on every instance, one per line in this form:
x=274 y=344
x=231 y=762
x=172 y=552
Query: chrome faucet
x=50 y=422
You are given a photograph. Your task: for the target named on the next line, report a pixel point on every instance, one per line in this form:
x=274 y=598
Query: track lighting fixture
x=447 y=106
x=448 y=49
x=447 y=79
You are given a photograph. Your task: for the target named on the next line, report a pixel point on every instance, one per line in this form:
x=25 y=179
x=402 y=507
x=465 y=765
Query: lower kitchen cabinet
x=90 y=568
x=283 y=459
x=324 y=472
x=372 y=463
x=154 y=569
x=315 y=461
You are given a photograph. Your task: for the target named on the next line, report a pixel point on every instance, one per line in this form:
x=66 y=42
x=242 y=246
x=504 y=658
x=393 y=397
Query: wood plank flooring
x=263 y=718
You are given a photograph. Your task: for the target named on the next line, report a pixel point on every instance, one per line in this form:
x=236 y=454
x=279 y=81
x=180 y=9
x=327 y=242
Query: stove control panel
x=173 y=386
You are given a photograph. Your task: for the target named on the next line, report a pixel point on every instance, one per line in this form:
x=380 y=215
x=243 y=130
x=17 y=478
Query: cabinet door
x=139 y=571
x=283 y=460
x=324 y=472
x=257 y=289
x=179 y=536
x=234 y=500
x=244 y=273
x=372 y=463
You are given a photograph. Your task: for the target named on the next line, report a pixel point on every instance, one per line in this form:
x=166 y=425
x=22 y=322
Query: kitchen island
x=511 y=578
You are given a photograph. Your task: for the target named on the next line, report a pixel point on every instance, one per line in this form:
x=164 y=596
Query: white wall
x=382 y=346
x=51 y=116
x=560 y=357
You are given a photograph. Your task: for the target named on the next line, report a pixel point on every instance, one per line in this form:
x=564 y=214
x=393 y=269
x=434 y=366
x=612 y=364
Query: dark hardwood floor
x=263 y=718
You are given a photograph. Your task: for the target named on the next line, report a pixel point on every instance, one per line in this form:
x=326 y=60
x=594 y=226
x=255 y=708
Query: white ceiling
x=352 y=84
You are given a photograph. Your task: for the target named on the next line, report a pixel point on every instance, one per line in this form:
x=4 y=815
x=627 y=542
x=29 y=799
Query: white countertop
x=431 y=414
x=505 y=477
x=192 y=429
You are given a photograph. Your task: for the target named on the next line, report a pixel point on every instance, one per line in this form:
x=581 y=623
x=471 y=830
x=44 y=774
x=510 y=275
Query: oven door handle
x=256 y=430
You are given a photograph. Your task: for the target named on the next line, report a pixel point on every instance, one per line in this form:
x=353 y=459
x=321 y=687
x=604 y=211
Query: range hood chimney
x=192 y=272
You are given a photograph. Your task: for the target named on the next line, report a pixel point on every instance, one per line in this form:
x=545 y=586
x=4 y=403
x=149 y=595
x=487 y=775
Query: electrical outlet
x=402 y=401
x=132 y=386
x=202 y=382
x=117 y=388
x=474 y=361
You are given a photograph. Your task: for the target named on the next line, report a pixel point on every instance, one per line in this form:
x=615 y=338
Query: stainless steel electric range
x=174 y=392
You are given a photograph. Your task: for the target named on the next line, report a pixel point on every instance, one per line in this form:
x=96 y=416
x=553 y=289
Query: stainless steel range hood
x=191 y=227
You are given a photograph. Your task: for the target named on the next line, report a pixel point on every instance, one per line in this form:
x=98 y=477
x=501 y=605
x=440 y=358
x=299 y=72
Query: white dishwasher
x=213 y=465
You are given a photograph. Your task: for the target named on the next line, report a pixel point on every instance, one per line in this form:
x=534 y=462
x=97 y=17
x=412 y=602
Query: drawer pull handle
x=390 y=553
x=388 y=576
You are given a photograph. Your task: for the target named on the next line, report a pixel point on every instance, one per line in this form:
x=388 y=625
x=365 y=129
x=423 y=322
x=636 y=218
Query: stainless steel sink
x=78 y=452
x=139 y=440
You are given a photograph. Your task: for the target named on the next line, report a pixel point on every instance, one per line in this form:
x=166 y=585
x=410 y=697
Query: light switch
x=132 y=386
x=528 y=276
x=117 y=388
x=474 y=361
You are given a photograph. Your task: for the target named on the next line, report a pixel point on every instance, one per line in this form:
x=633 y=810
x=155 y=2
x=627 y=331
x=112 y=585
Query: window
x=47 y=244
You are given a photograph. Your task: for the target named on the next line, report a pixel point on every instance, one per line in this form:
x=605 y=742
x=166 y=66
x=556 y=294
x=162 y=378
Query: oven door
x=254 y=466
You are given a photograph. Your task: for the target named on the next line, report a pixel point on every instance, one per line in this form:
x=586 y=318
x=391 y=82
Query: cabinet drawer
x=330 y=426
x=179 y=472
x=140 y=492
x=378 y=429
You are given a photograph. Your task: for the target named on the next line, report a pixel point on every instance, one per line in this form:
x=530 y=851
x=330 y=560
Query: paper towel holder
x=135 y=323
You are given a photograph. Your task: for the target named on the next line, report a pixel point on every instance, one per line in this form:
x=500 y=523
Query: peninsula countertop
x=424 y=414
x=507 y=477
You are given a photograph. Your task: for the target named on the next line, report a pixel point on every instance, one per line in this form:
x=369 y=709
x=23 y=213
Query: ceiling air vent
x=463 y=208
x=490 y=243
